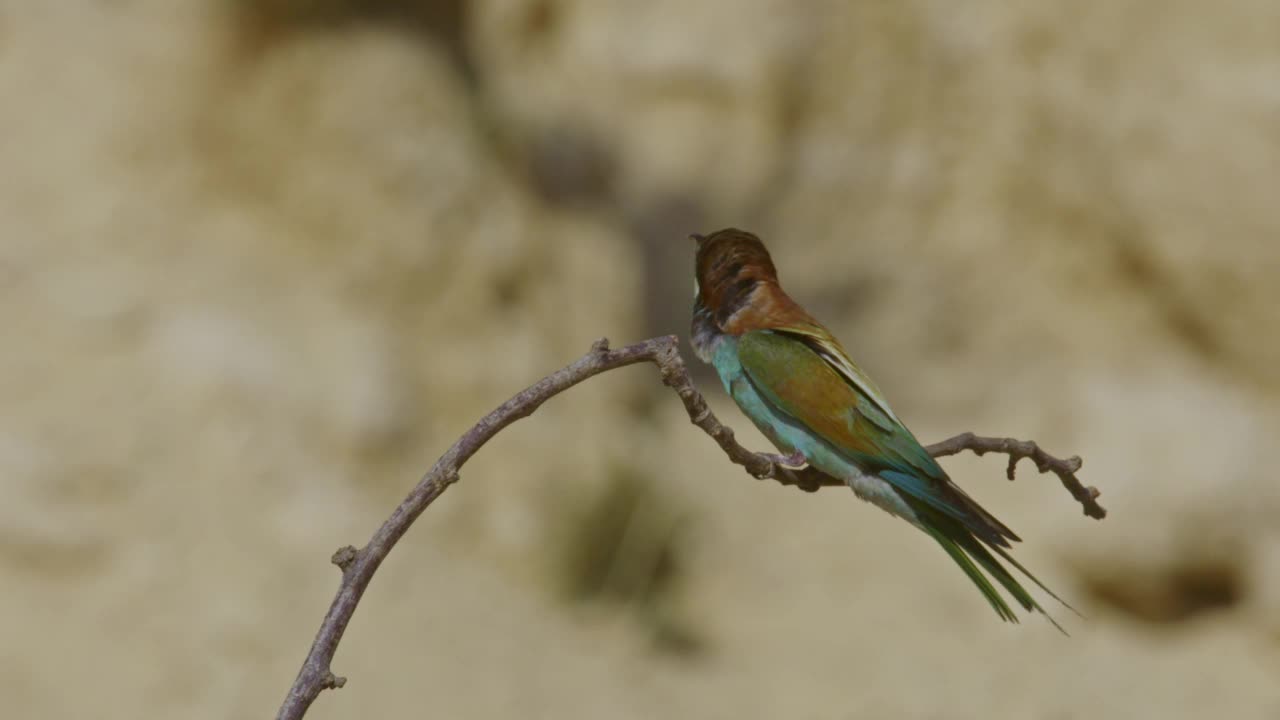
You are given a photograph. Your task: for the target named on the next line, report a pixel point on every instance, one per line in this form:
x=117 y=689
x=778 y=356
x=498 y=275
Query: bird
x=793 y=380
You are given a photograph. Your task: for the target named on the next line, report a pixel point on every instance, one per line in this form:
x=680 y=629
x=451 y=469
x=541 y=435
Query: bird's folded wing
x=807 y=376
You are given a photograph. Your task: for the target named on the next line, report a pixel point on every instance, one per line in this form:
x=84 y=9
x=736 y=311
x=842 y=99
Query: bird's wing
x=805 y=374
x=871 y=401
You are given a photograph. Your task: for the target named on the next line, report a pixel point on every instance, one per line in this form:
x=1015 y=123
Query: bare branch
x=358 y=566
x=1065 y=469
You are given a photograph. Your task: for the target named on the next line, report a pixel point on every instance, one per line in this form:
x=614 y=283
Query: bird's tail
x=973 y=556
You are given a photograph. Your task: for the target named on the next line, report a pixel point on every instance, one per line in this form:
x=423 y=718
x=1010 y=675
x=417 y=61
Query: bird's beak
x=697 y=238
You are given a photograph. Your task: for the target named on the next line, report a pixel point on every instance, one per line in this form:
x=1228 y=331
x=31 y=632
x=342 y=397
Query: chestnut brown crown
x=738 y=283
x=730 y=263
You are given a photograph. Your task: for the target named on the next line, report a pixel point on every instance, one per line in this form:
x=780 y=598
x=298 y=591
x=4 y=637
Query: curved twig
x=358 y=566
x=1065 y=469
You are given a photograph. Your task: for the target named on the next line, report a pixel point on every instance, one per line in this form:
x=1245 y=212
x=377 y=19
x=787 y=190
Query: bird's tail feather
x=984 y=585
x=976 y=550
x=1010 y=559
x=969 y=553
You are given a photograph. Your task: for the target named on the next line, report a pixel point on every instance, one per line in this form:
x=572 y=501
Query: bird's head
x=737 y=287
x=730 y=265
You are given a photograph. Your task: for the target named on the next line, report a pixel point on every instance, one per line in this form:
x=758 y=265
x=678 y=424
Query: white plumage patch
x=881 y=494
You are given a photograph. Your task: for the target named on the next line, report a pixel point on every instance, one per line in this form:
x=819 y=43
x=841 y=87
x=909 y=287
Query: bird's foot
x=794 y=461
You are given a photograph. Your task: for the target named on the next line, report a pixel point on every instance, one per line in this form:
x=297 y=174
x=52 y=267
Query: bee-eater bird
x=799 y=387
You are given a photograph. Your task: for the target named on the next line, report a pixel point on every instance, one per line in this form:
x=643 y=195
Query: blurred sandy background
x=261 y=262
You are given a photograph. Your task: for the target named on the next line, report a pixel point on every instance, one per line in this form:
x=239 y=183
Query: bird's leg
x=794 y=461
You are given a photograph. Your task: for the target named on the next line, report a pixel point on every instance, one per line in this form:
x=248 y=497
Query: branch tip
x=1065 y=469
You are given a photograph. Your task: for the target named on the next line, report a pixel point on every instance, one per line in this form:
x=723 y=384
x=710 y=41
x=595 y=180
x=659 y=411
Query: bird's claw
x=794 y=461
